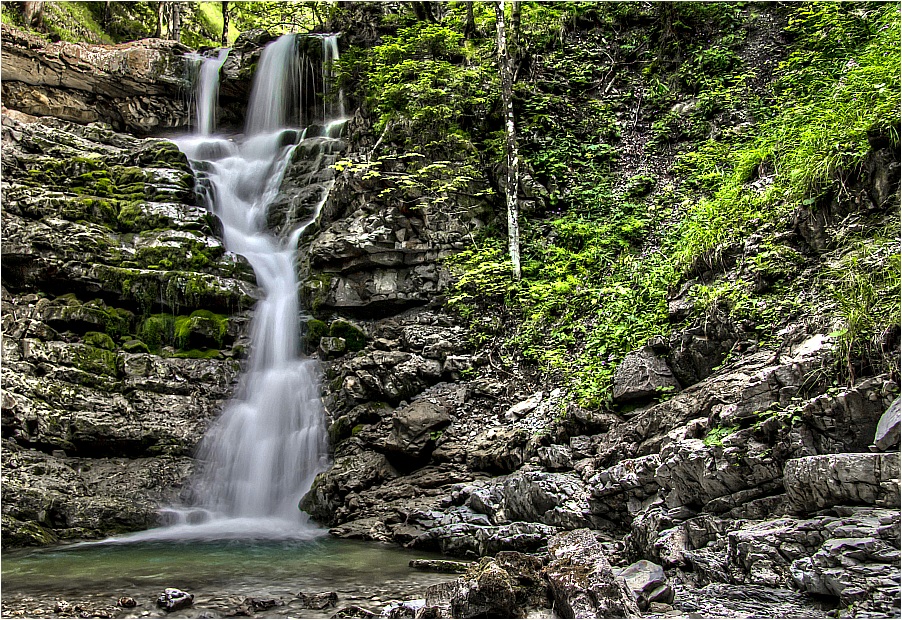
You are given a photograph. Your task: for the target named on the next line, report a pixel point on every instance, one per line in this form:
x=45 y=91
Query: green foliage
x=864 y=282
x=717 y=434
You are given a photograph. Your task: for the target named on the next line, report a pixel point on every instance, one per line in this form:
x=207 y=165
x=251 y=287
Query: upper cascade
x=294 y=88
x=206 y=91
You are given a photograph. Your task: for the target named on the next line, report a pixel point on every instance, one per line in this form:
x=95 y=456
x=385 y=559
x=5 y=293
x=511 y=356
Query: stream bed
x=87 y=580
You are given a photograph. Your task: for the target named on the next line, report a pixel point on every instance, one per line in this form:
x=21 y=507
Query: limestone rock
x=823 y=481
x=499 y=450
x=647 y=582
x=888 y=428
x=173 y=599
x=414 y=428
x=560 y=500
x=486 y=590
x=581 y=579
x=641 y=376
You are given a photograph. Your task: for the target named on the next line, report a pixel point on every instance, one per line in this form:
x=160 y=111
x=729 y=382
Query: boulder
x=642 y=376
x=173 y=599
x=416 y=427
x=522 y=408
x=485 y=591
x=558 y=499
x=498 y=450
x=888 y=433
x=827 y=480
x=647 y=582
x=582 y=582
x=318 y=601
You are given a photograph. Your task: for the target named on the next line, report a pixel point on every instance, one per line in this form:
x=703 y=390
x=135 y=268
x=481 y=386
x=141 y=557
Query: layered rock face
x=751 y=483
x=124 y=322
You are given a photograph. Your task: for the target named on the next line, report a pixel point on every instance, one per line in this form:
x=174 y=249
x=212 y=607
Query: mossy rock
x=135 y=346
x=198 y=354
x=314 y=329
x=157 y=330
x=18 y=533
x=201 y=329
x=354 y=337
x=99 y=340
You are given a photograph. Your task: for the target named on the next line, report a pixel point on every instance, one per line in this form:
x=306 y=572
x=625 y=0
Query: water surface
x=219 y=574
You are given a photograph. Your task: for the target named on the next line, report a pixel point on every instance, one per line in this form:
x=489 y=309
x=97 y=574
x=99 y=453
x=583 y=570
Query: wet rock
x=127 y=601
x=330 y=346
x=415 y=428
x=581 y=579
x=822 y=481
x=173 y=599
x=353 y=611
x=441 y=566
x=347 y=474
x=641 y=376
x=888 y=428
x=318 y=601
x=647 y=582
x=486 y=590
x=556 y=458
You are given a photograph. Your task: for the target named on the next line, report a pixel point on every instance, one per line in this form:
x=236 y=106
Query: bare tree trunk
x=159 y=31
x=225 y=23
x=513 y=160
x=107 y=13
x=34 y=13
x=175 y=21
x=470 y=25
x=516 y=11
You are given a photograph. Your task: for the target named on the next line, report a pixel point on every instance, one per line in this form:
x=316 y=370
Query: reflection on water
x=219 y=574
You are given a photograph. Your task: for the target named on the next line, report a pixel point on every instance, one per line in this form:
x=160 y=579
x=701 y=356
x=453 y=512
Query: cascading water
x=206 y=94
x=262 y=454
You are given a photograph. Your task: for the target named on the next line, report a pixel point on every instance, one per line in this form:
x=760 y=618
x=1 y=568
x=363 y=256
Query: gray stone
x=641 y=376
x=647 y=582
x=582 y=582
x=522 y=408
x=330 y=346
x=173 y=599
x=827 y=480
x=888 y=428
x=414 y=428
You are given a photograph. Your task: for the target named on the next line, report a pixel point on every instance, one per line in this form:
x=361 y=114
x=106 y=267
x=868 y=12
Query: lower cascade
x=262 y=454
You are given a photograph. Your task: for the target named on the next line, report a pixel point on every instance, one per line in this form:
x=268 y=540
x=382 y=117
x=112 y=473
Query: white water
x=260 y=457
x=206 y=97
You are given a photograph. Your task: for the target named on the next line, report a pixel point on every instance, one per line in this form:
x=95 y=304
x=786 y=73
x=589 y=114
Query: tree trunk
x=175 y=21
x=159 y=31
x=34 y=13
x=225 y=23
x=470 y=25
x=516 y=11
x=107 y=13
x=513 y=161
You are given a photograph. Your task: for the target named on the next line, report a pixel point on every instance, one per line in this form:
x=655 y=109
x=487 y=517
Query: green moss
x=198 y=354
x=95 y=361
x=99 y=340
x=157 y=330
x=353 y=335
x=200 y=327
x=135 y=346
x=314 y=330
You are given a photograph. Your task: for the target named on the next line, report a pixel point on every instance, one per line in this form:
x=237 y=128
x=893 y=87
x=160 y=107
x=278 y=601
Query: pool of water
x=220 y=575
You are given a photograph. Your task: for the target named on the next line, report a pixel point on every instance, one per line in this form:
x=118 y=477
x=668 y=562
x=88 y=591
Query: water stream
x=260 y=457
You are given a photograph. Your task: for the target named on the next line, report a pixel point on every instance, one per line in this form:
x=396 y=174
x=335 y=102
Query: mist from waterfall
x=260 y=457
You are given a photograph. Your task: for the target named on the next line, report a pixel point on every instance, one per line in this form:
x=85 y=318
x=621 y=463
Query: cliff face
x=124 y=320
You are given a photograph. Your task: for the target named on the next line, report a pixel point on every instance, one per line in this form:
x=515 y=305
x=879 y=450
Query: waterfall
x=260 y=457
x=206 y=93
